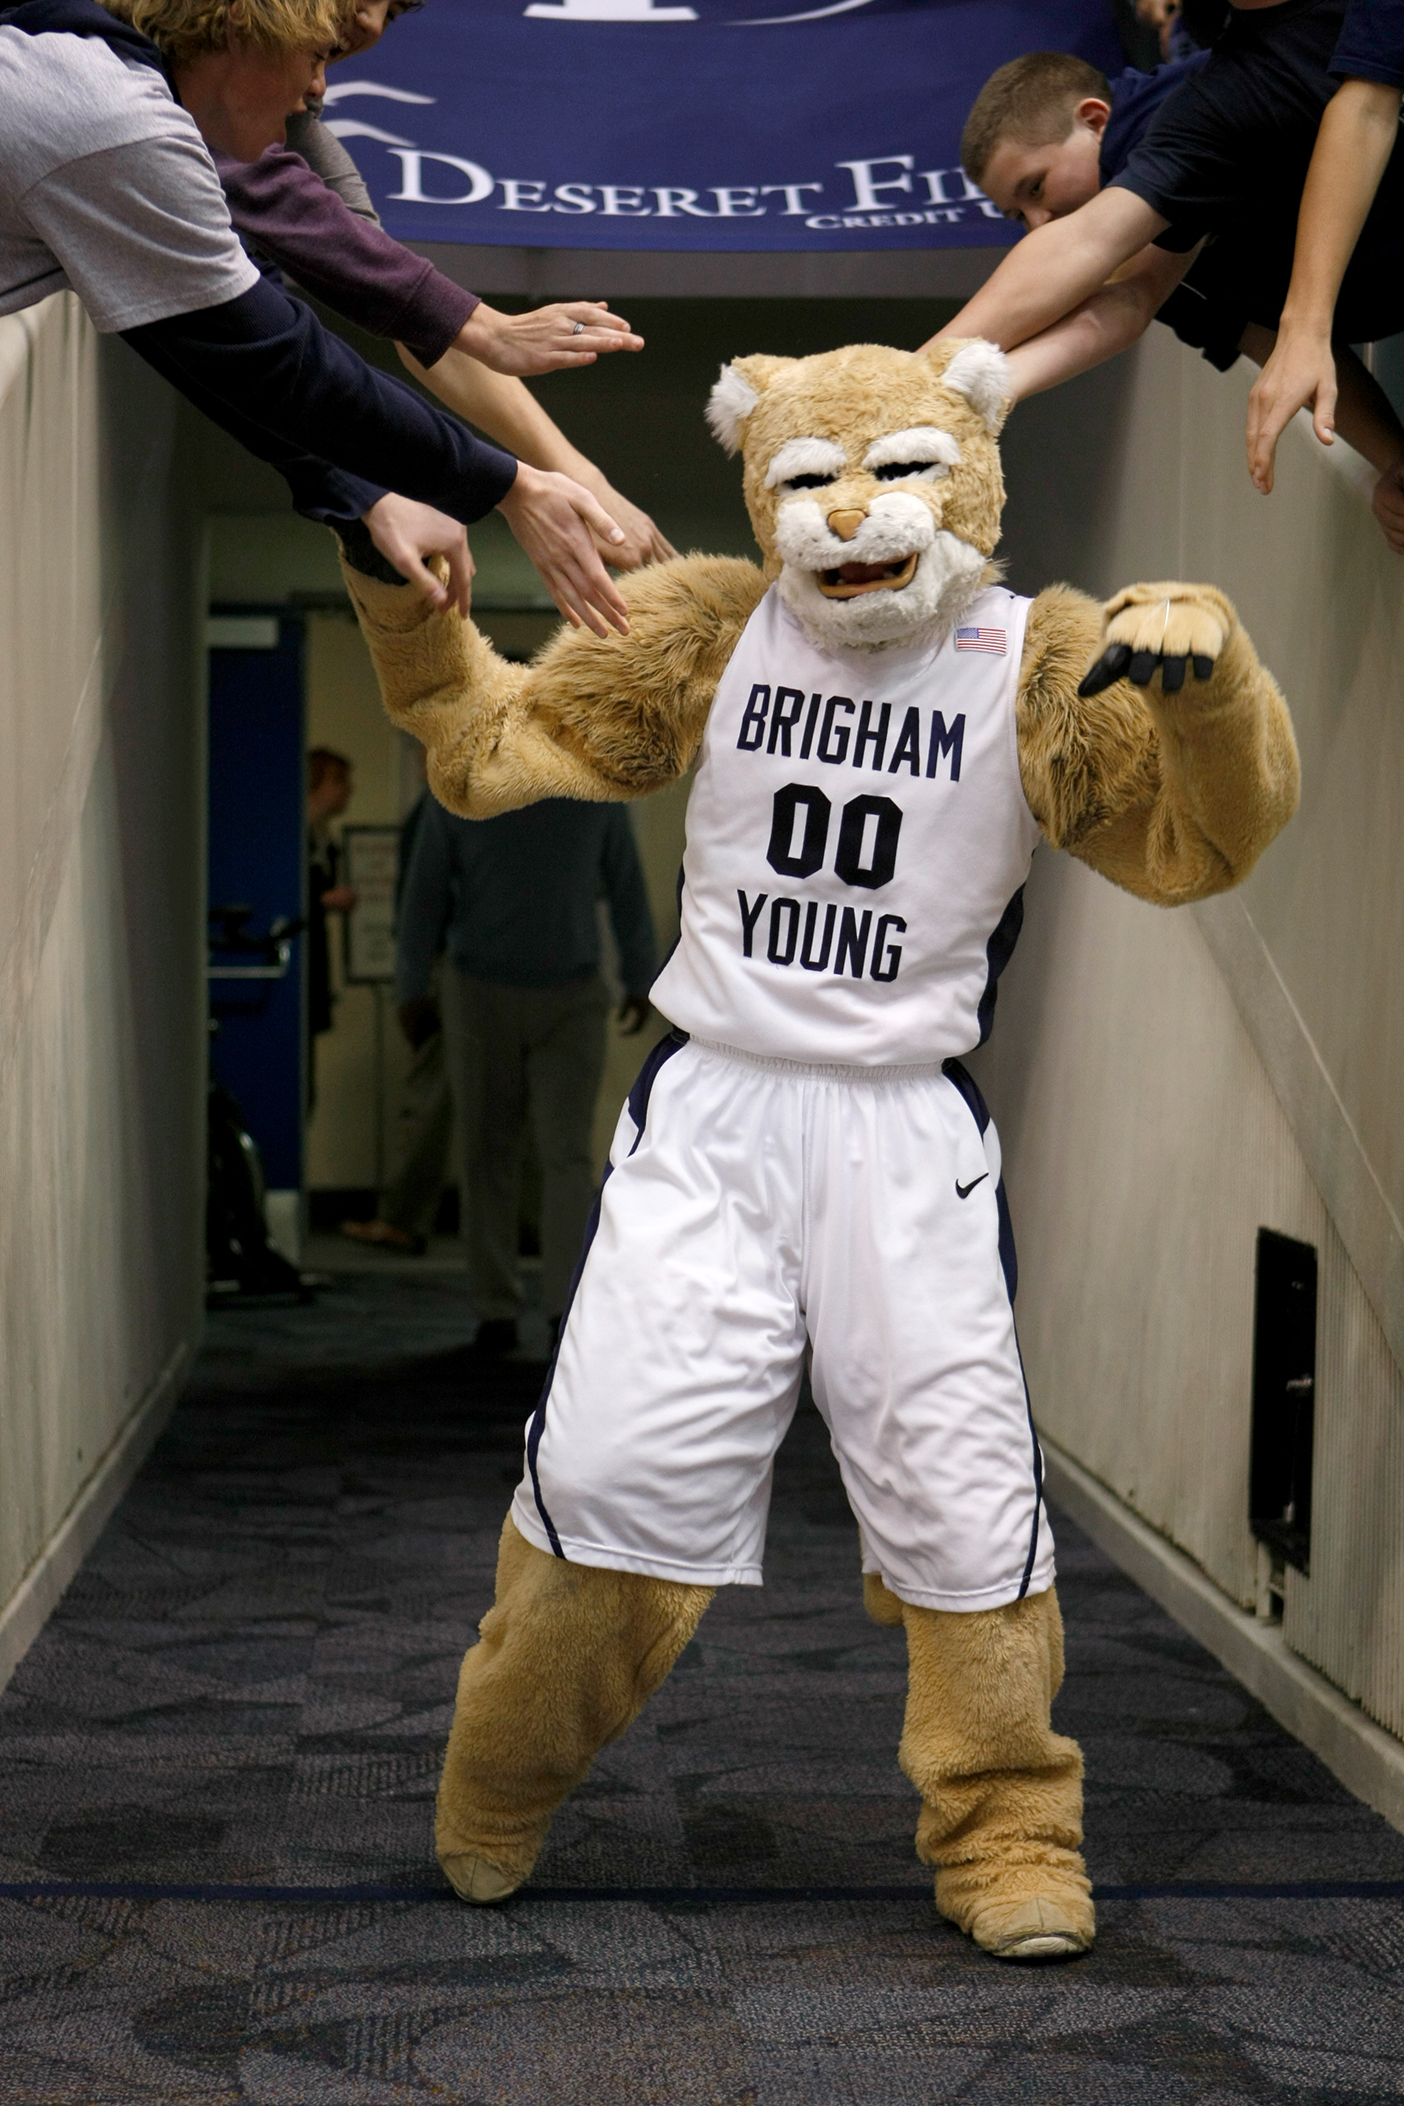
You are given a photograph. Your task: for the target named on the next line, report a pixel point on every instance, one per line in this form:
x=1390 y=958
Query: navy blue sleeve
x=318 y=490
x=264 y=364
x=629 y=911
x=1371 y=43
x=1184 y=168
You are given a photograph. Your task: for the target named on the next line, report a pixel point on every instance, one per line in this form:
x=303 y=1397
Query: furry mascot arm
x=594 y=718
x=1172 y=789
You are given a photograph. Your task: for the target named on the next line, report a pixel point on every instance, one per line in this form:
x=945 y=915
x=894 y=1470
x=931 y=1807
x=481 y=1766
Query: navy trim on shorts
x=957 y=1073
x=1008 y=1256
x=640 y=1094
x=998 y=952
x=1038 y=1474
x=639 y=1097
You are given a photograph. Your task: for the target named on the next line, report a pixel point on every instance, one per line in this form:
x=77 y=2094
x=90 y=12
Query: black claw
x=1203 y=667
x=1172 y=675
x=1109 y=667
x=1141 y=667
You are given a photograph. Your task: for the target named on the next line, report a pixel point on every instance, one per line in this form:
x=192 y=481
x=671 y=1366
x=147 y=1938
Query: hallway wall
x=1166 y=1083
x=101 y=942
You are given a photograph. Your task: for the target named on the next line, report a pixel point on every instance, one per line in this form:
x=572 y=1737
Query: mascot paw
x=1049 y=1929
x=1165 y=627
x=478 y=1879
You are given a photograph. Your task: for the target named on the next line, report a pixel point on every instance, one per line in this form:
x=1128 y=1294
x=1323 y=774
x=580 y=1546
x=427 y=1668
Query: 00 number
x=866 y=853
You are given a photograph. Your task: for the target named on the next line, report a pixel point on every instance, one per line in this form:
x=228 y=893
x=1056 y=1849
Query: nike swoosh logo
x=964 y=1191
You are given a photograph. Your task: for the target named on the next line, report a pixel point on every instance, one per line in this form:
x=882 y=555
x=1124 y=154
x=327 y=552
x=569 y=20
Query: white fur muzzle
x=947 y=578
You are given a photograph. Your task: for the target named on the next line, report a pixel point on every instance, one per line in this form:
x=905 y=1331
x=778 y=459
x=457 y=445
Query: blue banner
x=723 y=124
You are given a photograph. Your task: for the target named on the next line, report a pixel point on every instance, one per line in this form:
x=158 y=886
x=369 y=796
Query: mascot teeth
x=852 y=578
x=896 y=579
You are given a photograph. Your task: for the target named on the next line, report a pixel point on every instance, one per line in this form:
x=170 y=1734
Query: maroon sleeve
x=281 y=207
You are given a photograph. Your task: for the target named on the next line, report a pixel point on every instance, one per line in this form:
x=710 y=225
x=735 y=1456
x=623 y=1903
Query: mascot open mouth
x=850 y=579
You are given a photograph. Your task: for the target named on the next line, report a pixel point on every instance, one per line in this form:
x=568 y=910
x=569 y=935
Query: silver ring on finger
x=577 y=329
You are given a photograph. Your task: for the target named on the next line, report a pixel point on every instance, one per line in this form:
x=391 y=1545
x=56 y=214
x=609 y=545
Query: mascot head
x=872 y=481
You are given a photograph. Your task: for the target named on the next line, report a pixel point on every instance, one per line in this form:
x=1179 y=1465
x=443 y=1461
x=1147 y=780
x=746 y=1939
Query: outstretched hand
x=558 y=523
x=1300 y=374
x=545 y=339
x=643 y=542
x=406 y=532
x=1158 y=628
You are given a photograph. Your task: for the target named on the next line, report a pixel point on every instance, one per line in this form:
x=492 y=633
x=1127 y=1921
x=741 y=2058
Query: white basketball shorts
x=754 y=1210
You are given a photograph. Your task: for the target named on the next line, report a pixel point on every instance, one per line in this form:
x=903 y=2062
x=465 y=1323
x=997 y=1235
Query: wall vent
x=1284 y=1397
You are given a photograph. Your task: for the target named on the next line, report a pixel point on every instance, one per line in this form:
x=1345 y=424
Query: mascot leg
x=1001 y=1815
x=567 y=1657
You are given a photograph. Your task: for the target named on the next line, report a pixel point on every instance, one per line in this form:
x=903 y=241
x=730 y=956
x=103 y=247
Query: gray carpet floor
x=217 y=1768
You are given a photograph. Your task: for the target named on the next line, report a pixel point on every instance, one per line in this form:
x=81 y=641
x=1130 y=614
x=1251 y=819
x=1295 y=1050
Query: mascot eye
x=900 y=471
x=807 y=482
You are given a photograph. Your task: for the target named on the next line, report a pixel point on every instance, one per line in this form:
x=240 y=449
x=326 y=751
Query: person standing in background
x=407 y=1208
x=330 y=782
x=523 y=1009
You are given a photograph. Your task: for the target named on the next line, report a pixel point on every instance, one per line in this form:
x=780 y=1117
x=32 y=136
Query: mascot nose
x=846 y=524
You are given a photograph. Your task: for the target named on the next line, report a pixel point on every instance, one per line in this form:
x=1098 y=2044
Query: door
x=258 y=866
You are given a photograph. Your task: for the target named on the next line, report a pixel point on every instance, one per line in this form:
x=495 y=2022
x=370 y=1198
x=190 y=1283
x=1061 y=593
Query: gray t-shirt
x=106 y=188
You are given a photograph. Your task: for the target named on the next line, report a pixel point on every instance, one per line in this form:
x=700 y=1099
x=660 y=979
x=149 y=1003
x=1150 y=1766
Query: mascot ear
x=738 y=389
x=980 y=372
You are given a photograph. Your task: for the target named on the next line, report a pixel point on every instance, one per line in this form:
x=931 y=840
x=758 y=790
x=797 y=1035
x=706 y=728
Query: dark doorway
x=1284 y=1397
x=257 y=859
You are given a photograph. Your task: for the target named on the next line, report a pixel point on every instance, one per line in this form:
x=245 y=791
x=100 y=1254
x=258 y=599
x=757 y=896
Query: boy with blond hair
x=107 y=189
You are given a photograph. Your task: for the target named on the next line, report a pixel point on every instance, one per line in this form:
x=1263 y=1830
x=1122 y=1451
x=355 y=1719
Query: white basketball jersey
x=857 y=844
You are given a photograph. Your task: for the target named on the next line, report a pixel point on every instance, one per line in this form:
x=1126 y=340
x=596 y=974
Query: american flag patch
x=991 y=640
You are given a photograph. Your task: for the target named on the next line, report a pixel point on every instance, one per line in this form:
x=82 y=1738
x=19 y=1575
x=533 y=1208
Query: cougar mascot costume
x=882 y=734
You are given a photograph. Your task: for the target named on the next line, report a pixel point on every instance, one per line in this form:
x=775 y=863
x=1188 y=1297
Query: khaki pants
x=423 y=1130
x=514 y=1053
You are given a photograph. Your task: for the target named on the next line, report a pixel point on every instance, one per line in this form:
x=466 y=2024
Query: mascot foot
x=566 y=1657
x=1054 y=1928
x=480 y=1879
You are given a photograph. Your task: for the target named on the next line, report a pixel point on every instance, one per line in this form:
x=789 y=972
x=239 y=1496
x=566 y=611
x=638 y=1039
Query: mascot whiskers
x=805 y=1171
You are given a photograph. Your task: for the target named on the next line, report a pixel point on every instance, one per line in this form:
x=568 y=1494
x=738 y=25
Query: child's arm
x=1168 y=783
x=1358 y=134
x=1057 y=267
x=1109 y=322
x=506 y=409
